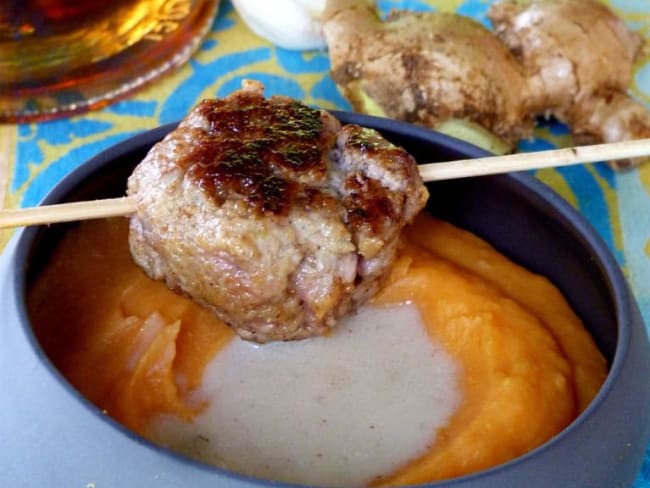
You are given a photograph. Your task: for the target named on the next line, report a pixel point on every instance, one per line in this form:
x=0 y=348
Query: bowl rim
x=616 y=283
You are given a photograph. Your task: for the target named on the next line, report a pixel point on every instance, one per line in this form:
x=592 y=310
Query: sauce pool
x=341 y=410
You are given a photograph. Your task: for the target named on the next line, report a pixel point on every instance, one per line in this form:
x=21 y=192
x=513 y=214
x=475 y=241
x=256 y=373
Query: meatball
x=272 y=214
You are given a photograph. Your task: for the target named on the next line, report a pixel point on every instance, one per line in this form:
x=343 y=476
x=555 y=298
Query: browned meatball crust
x=271 y=214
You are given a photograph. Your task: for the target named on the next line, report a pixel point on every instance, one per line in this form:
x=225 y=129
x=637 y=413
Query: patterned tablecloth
x=34 y=157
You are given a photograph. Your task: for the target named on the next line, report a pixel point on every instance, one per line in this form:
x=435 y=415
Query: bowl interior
x=519 y=216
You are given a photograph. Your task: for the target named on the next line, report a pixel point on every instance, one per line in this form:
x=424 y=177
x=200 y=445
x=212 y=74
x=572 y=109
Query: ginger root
x=571 y=59
x=426 y=68
x=578 y=58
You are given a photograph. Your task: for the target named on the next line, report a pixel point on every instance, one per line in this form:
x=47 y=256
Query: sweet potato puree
x=136 y=349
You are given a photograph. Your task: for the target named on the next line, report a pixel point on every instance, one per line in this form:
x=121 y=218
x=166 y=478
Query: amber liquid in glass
x=59 y=57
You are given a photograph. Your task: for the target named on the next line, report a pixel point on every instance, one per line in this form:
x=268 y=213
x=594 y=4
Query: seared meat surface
x=271 y=214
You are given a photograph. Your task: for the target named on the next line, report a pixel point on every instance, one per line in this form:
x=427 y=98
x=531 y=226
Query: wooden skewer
x=67 y=212
x=554 y=158
x=124 y=206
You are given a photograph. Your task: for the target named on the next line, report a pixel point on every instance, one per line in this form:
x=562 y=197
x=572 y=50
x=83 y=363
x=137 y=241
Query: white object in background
x=291 y=24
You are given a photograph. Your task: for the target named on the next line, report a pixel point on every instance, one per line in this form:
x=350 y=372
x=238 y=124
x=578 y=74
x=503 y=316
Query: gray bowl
x=51 y=435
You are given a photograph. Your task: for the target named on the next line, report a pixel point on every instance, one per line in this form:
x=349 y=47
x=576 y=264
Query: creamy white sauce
x=331 y=411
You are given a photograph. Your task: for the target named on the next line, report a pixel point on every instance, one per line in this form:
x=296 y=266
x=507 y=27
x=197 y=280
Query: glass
x=62 y=57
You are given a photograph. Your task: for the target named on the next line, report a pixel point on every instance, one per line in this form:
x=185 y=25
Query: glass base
x=64 y=57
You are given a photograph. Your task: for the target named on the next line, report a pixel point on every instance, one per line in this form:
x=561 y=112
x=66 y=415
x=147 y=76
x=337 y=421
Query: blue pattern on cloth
x=615 y=204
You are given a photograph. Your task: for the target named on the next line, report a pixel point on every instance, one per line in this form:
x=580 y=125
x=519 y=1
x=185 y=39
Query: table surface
x=34 y=157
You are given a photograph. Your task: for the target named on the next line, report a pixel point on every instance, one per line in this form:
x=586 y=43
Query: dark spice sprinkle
x=249 y=141
x=366 y=140
x=275 y=193
x=299 y=155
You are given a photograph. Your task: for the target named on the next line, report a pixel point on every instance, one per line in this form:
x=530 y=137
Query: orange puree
x=136 y=349
x=529 y=365
x=127 y=343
